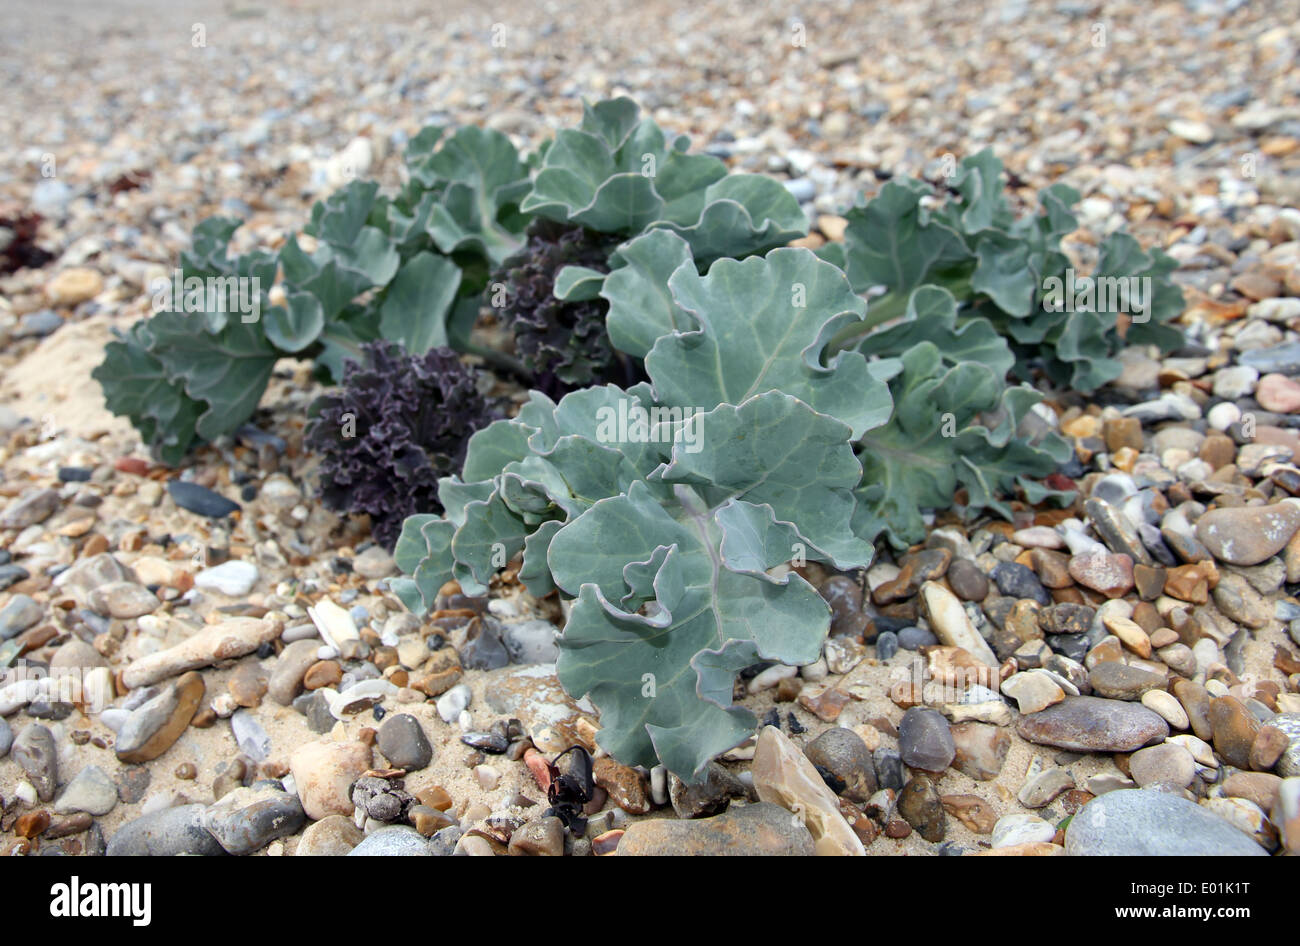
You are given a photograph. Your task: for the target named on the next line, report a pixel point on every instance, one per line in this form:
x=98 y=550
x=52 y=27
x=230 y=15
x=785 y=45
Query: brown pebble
x=187 y=771
x=1235 y=728
x=435 y=797
x=274 y=768
x=69 y=824
x=428 y=820
x=1196 y=701
x=204 y=718
x=897 y=829
x=368 y=735
x=606 y=843
x=787 y=690
x=32 y=824
x=972 y=811
x=248 y=684
x=323 y=673
x=1268 y=746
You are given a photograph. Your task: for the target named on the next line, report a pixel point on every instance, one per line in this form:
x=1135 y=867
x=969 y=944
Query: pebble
x=541 y=838
x=951 y=623
x=967 y=581
x=395 y=841
x=531 y=642
x=233 y=637
x=1043 y=784
x=784 y=776
x=1033 y=690
x=245 y=820
x=914 y=638
x=925 y=740
x=1111 y=575
x=124 y=600
x=90 y=791
x=1234 y=729
x=1021 y=827
x=403 y=742
x=1167 y=706
x=453 y=702
x=32 y=507
x=333 y=836
x=1289 y=765
x=233 y=579
x=1136 y=822
x=1092 y=724
x=980 y=749
x=625 y=785
x=18 y=615
x=165 y=833
x=709 y=794
x=1019 y=581
x=155 y=725
x=1167 y=764
x=290 y=667
x=762 y=828
x=250 y=737
x=374 y=563
x=323 y=773
x=1278 y=393
x=1117 y=681
x=921 y=806
x=6 y=737
x=35 y=753
x=1248 y=535
x=200 y=500
x=843 y=754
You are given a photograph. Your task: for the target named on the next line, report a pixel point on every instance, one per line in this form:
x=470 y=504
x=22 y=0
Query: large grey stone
x=1142 y=823
x=165 y=833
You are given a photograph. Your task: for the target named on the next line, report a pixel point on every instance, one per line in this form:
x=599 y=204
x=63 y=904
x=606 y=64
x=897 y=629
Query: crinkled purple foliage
x=399 y=423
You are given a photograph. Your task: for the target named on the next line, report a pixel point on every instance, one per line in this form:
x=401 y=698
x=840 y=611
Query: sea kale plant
x=398 y=423
x=1010 y=272
x=409 y=269
x=615 y=176
x=665 y=511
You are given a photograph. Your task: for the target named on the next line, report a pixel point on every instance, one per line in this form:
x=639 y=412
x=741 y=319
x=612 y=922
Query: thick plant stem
x=499 y=360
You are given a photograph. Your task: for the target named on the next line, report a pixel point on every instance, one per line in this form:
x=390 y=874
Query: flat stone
x=1042 y=787
x=290 y=667
x=233 y=579
x=35 y=753
x=32 y=507
x=334 y=836
x=710 y=794
x=1168 y=707
x=18 y=615
x=625 y=785
x=966 y=579
x=921 y=806
x=543 y=837
x=843 y=754
x=784 y=776
x=1091 y=724
x=1278 y=393
x=200 y=500
x=90 y=791
x=1141 y=822
x=1110 y=575
x=1259 y=787
x=1166 y=764
x=324 y=772
x=1021 y=827
x=124 y=600
x=1195 y=700
x=1032 y=690
x=1270 y=742
x=396 y=841
x=951 y=623
x=1234 y=729
x=1247 y=535
x=763 y=829
x=165 y=833
x=980 y=749
x=403 y=742
x=1289 y=765
x=153 y=727
x=233 y=637
x=248 y=819
x=1119 y=681
x=925 y=740
x=531 y=642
